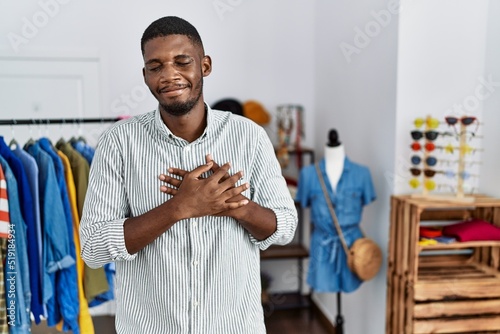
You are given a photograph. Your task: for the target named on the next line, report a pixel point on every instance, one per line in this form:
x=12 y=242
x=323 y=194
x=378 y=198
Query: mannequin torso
x=334 y=164
x=329 y=270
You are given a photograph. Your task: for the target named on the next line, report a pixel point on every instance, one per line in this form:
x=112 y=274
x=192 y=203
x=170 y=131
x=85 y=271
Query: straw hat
x=256 y=112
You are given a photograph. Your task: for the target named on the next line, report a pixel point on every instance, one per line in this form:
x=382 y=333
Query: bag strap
x=332 y=211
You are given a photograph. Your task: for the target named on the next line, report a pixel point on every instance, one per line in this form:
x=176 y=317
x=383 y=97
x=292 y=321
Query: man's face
x=174 y=68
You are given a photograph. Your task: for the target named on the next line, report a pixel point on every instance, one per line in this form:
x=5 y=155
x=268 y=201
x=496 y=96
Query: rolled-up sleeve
x=106 y=207
x=269 y=189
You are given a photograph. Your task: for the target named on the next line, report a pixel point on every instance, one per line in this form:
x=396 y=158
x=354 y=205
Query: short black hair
x=171 y=25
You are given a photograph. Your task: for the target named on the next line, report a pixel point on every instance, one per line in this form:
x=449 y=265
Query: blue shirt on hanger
x=55 y=237
x=26 y=207
x=31 y=170
x=328 y=270
x=17 y=289
x=84 y=149
x=68 y=275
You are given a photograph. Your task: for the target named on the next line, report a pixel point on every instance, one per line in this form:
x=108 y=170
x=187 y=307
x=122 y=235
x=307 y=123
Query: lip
x=172 y=91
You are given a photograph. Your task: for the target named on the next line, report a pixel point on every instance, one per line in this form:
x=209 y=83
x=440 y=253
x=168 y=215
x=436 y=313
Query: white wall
x=356 y=94
x=260 y=50
x=442 y=48
x=490 y=178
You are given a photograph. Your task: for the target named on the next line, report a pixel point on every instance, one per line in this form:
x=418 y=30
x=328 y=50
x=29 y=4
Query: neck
x=189 y=126
x=334 y=154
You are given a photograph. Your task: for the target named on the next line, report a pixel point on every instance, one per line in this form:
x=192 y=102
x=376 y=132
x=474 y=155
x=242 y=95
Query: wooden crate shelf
x=457 y=281
x=431 y=291
x=483 y=324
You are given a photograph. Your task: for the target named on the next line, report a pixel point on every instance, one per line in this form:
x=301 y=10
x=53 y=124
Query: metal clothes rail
x=49 y=121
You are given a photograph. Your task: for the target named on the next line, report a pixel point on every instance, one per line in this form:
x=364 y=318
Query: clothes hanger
x=13 y=143
x=74 y=139
x=30 y=141
x=61 y=140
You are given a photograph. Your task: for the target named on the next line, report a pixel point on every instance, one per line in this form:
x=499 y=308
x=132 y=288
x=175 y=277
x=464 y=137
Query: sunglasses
x=428 y=184
x=449 y=173
x=429 y=135
x=427 y=172
x=463 y=175
x=431 y=185
x=429 y=146
x=465 y=149
x=431 y=123
x=465 y=120
x=429 y=161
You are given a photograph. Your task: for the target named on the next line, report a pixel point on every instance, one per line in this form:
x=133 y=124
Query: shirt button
x=195 y=263
x=195 y=303
x=187 y=148
x=195 y=223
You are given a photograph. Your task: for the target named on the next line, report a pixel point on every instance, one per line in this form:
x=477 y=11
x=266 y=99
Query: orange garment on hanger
x=84 y=317
x=94 y=280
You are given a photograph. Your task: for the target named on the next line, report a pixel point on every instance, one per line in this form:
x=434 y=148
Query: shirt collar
x=167 y=133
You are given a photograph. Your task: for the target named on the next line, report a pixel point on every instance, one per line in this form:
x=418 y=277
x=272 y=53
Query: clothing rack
x=48 y=121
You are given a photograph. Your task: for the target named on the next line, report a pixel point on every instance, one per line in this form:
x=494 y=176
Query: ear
x=206 y=65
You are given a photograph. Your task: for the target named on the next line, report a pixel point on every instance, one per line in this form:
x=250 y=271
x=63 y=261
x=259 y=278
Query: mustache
x=172 y=87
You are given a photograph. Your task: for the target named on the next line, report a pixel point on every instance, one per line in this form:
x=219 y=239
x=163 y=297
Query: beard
x=183 y=108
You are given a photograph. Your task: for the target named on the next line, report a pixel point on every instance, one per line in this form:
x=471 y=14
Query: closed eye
x=183 y=60
x=183 y=63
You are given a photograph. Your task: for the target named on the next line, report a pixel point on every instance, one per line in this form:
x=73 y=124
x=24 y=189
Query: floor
x=299 y=321
x=296 y=321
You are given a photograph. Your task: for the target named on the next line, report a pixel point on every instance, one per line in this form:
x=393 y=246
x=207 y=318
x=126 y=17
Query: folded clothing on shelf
x=430 y=232
x=427 y=242
x=473 y=230
x=445 y=240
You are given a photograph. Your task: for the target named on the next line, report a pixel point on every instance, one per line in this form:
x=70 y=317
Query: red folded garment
x=430 y=232
x=473 y=230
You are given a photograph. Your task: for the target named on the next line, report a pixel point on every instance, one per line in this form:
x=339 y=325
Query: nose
x=169 y=73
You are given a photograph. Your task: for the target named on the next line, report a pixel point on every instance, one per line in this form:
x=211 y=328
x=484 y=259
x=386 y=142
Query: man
x=184 y=229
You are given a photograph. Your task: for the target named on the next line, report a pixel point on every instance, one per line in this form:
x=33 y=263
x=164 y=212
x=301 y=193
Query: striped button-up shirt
x=203 y=274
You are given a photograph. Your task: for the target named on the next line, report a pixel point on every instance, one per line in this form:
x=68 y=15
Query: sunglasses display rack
x=424 y=165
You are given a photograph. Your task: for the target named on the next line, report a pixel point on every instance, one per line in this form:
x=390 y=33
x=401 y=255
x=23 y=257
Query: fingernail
x=209 y=156
x=170 y=170
x=163 y=188
x=162 y=177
